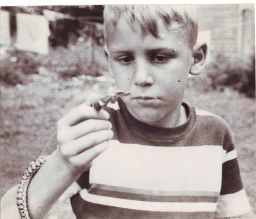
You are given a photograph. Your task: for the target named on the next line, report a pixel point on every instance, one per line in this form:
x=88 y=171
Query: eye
x=160 y=58
x=125 y=59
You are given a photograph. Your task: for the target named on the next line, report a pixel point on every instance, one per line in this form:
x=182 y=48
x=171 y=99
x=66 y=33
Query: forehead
x=131 y=34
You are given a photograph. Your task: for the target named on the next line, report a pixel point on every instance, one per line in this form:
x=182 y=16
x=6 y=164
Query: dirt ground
x=29 y=114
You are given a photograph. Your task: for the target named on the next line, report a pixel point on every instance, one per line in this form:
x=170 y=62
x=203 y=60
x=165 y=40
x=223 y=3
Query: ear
x=105 y=48
x=199 y=57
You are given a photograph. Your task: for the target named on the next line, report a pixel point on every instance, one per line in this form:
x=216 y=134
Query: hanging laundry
x=32 y=33
x=5 y=33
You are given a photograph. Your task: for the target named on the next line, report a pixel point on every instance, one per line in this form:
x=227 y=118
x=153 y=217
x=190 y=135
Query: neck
x=177 y=118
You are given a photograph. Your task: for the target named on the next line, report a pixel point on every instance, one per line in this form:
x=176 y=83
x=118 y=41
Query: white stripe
x=149 y=206
x=190 y=168
x=201 y=112
x=231 y=205
x=230 y=156
x=113 y=106
x=70 y=191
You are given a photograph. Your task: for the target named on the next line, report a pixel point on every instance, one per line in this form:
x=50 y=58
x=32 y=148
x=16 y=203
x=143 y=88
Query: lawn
x=29 y=114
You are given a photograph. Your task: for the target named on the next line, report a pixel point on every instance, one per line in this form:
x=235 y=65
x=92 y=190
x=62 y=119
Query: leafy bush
x=68 y=31
x=27 y=62
x=237 y=74
x=15 y=65
x=9 y=74
x=78 y=59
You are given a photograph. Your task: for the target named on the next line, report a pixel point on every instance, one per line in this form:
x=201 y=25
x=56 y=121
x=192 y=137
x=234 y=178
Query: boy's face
x=153 y=70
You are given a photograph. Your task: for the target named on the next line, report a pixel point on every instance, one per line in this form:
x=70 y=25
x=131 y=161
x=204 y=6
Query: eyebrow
x=162 y=49
x=153 y=50
x=123 y=51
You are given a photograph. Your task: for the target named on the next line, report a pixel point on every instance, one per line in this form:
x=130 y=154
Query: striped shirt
x=190 y=171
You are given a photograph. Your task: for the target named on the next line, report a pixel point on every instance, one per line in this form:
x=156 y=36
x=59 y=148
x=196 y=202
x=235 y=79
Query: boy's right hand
x=83 y=134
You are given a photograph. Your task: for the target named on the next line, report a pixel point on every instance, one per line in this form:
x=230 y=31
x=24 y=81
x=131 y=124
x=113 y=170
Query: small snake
x=102 y=102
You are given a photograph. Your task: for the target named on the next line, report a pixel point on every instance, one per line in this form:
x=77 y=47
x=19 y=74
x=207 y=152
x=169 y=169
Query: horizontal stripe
x=96 y=211
x=231 y=179
x=152 y=198
x=153 y=192
x=161 y=168
x=230 y=156
x=233 y=204
x=70 y=191
x=201 y=112
x=148 y=206
x=83 y=180
x=228 y=147
x=185 y=148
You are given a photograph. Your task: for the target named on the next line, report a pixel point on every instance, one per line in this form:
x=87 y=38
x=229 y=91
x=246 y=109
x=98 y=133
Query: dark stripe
x=199 y=130
x=87 y=210
x=229 y=147
x=128 y=129
x=83 y=180
x=231 y=180
x=227 y=154
x=152 y=192
x=153 y=198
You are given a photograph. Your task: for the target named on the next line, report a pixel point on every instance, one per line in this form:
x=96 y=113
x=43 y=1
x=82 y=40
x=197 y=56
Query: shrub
x=78 y=59
x=9 y=74
x=15 y=65
x=27 y=62
x=237 y=74
x=68 y=31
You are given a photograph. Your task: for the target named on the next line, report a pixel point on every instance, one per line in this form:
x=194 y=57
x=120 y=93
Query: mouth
x=145 y=98
x=148 y=101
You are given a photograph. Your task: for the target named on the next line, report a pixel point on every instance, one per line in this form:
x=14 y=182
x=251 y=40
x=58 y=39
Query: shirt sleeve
x=233 y=200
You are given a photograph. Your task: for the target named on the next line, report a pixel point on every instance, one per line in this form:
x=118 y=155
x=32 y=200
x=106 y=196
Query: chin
x=147 y=115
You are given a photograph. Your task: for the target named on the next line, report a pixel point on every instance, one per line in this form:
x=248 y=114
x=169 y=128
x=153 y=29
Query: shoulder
x=212 y=120
x=215 y=127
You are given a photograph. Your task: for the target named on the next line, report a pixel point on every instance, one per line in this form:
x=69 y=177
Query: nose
x=142 y=76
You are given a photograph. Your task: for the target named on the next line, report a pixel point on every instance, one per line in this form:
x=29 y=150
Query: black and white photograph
x=127 y=111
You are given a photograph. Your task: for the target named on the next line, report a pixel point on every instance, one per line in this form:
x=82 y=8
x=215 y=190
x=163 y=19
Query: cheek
x=122 y=77
x=122 y=81
x=175 y=74
x=173 y=84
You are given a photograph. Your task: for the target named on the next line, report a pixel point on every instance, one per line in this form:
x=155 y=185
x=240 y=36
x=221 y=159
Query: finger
x=83 y=128
x=85 y=158
x=85 y=142
x=81 y=113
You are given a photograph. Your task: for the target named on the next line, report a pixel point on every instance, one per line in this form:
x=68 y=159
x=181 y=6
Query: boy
x=157 y=157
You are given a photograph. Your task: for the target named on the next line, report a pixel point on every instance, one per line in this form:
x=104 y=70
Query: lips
x=147 y=101
x=145 y=98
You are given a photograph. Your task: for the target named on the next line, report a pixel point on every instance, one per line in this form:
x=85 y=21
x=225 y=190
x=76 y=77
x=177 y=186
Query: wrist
x=65 y=166
x=53 y=178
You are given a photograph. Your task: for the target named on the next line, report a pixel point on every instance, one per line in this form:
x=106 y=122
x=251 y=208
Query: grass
x=29 y=114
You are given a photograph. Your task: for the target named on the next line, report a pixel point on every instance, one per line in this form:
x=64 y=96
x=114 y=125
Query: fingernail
x=109 y=125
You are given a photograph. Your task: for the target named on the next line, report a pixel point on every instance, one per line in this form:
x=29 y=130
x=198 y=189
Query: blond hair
x=147 y=16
